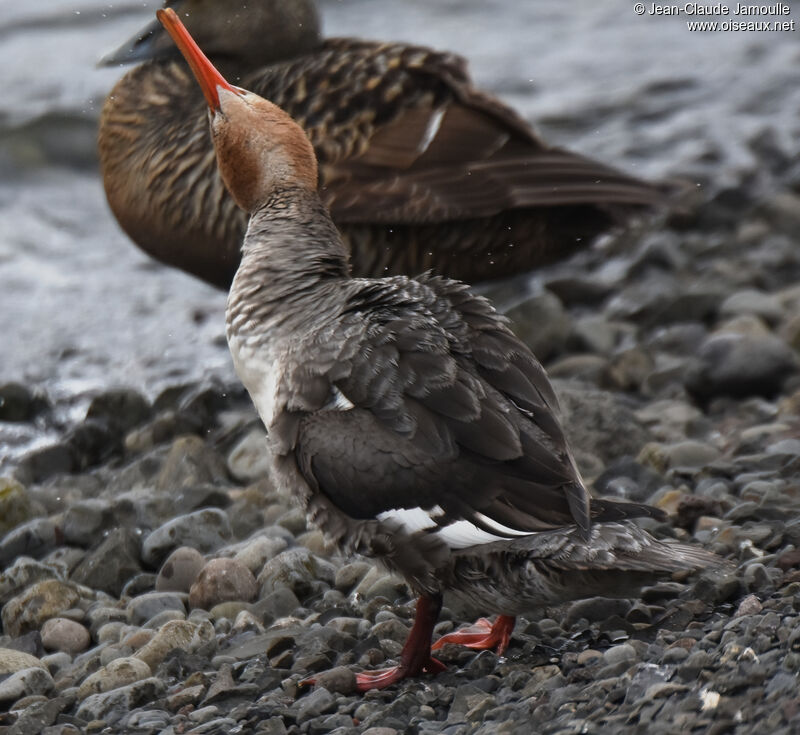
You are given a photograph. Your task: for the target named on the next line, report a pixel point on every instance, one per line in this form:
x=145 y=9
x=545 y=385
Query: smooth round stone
x=145 y=607
x=26 y=682
x=57 y=662
x=542 y=323
x=122 y=408
x=34 y=538
x=85 y=521
x=740 y=365
x=204 y=530
x=12 y=661
x=118 y=673
x=109 y=708
x=37 y=603
x=229 y=610
x=222 y=580
x=260 y=550
x=620 y=653
x=17 y=403
x=175 y=634
x=750 y=301
x=62 y=634
x=190 y=462
x=164 y=617
x=249 y=459
x=179 y=572
x=297 y=570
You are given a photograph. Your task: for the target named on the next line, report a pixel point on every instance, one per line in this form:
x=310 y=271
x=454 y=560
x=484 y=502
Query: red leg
x=415 y=658
x=482 y=635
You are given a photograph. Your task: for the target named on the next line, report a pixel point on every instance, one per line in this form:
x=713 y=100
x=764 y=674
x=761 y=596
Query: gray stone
x=222 y=580
x=297 y=570
x=740 y=365
x=205 y=530
x=23 y=683
x=257 y=551
x=112 y=563
x=85 y=521
x=144 y=607
x=620 y=653
x=542 y=323
x=249 y=460
x=190 y=462
x=319 y=702
x=35 y=538
x=112 y=706
x=18 y=403
x=764 y=305
x=179 y=572
x=122 y=408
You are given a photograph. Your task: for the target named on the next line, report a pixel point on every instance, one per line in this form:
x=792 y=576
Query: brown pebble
x=222 y=580
x=180 y=569
x=61 y=634
x=750 y=605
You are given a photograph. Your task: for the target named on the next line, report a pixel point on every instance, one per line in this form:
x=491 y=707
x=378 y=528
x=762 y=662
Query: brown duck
x=410 y=153
x=402 y=413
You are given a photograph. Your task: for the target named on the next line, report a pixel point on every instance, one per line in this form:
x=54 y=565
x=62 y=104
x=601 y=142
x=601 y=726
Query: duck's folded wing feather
x=447 y=415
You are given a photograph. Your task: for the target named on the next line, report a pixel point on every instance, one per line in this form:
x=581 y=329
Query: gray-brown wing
x=449 y=418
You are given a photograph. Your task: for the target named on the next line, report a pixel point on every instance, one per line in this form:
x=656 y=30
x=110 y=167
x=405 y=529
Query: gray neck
x=291 y=253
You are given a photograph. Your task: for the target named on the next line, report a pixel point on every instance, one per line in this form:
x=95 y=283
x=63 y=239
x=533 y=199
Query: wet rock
x=122 y=408
x=44 y=600
x=16 y=506
x=317 y=703
x=339 y=680
x=297 y=570
x=118 y=673
x=257 y=551
x=222 y=580
x=180 y=570
x=624 y=652
x=85 y=521
x=740 y=365
x=190 y=462
x=205 y=530
x=249 y=460
x=176 y=634
x=19 y=403
x=144 y=607
x=62 y=634
x=24 y=683
x=41 y=464
x=113 y=705
x=34 y=538
x=112 y=563
x=92 y=442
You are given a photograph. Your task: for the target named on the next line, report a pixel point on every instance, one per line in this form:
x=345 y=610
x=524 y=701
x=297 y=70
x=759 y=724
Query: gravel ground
x=153 y=582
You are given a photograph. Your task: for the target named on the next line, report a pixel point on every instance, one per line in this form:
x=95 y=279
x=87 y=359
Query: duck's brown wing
x=448 y=419
x=402 y=136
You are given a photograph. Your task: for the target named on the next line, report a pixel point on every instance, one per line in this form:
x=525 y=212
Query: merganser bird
x=418 y=168
x=402 y=413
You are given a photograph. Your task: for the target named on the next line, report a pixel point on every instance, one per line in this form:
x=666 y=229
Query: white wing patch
x=434 y=124
x=412 y=519
x=499 y=527
x=461 y=534
x=339 y=401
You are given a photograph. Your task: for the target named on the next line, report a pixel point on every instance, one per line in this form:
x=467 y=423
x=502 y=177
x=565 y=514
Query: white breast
x=259 y=366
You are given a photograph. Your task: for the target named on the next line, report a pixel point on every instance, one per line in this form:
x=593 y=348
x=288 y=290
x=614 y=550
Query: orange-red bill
x=207 y=76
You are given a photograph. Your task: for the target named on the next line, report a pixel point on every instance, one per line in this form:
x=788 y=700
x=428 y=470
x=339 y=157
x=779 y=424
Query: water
x=81 y=308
